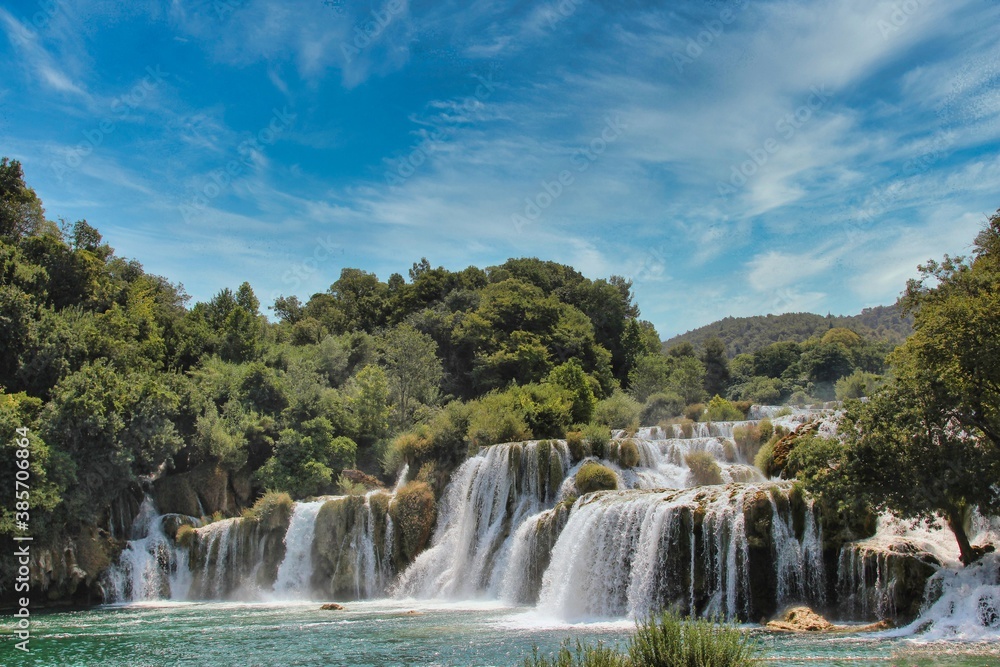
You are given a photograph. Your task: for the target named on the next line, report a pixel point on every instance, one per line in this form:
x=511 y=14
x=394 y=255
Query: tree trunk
x=957 y=526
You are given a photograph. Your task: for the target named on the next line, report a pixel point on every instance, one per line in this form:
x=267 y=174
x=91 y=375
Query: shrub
x=618 y=411
x=185 y=536
x=628 y=454
x=666 y=640
x=595 y=477
x=272 y=509
x=721 y=410
x=598 y=437
x=764 y=460
x=694 y=411
x=579 y=449
x=348 y=487
x=856 y=385
x=765 y=429
x=672 y=641
x=660 y=406
x=497 y=418
x=800 y=398
x=583 y=656
x=704 y=469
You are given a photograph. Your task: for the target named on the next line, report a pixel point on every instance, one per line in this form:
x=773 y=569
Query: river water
x=384 y=633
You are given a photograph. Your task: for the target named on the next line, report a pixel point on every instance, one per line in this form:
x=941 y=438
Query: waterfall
x=490 y=496
x=150 y=567
x=628 y=553
x=295 y=571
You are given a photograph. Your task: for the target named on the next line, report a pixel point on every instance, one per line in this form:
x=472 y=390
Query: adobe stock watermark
x=119 y=110
x=785 y=128
x=900 y=15
x=369 y=31
x=711 y=31
x=403 y=168
x=582 y=159
x=323 y=251
x=221 y=179
x=559 y=11
x=40 y=19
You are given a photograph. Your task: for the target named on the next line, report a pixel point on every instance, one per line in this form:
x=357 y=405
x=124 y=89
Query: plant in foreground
x=667 y=640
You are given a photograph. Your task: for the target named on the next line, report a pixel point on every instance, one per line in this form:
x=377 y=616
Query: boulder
x=800 y=619
x=332 y=606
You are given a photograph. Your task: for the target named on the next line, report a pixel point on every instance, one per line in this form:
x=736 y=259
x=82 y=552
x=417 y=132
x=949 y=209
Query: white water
x=489 y=497
x=295 y=571
x=150 y=567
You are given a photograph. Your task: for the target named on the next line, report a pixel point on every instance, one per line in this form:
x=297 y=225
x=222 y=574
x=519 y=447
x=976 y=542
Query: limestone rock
x=801 y=619
x=332 y=606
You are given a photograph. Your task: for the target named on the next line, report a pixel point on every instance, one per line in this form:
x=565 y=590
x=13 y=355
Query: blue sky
x=731 y=157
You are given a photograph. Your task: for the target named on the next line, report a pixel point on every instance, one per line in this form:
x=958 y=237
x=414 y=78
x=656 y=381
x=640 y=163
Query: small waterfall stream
x=295 y=571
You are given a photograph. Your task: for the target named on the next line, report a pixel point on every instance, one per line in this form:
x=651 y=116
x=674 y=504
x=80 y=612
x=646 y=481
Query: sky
x=731 y=158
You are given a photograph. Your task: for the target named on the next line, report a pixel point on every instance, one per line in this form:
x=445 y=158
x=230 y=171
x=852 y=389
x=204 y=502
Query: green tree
x=369 y=400
x=928 y=441
x=21 y=212
x=716 y=363
x=570 y=376
x=412 y=369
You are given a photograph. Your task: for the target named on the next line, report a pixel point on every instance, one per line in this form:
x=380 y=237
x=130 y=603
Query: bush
x=618 y=411
x=694 y=411
x=801 y=398
x=185 y=536
x=579 y=449
x=497 y=418
x=628 y=454
x=666 y=640
x=595 y=477
x=272 y=509
x=598 y=437
x=672 y=641
x=661 y=406
x=764 y=460
x=856 y=385
x=704 y=469
x=583 y=656
x=721 y=410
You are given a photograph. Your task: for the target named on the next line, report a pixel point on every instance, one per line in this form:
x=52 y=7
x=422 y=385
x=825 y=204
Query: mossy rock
x=413 y=512
x=593 y=476
x=579 y=449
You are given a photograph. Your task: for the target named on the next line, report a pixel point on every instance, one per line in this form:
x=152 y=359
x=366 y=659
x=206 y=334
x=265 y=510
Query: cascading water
x=295 y=571
x=490 y=497
x=150 y=567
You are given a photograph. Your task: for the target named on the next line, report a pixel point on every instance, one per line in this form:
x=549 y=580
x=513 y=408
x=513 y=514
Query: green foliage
x=703 y=468
x=618 y=411
x=185 y=536
x=662 y=406
x=749 y=334
x=579 y=448
x=666 y=640
x=413 y=370
x=271 y=509
x=671 y=641
x=571 y=376
x=858 y=384
x=628 y=454
x=598 y=437
x=758 y=389
x=764 y=459
x=593 y=476
x=495 y=418
x=368 y=394
x=721 y=410
x=713 y=357
x=580 y=656
x=307 y=461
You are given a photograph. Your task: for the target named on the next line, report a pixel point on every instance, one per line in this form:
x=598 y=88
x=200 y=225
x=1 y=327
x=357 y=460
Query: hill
x=748 y=334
